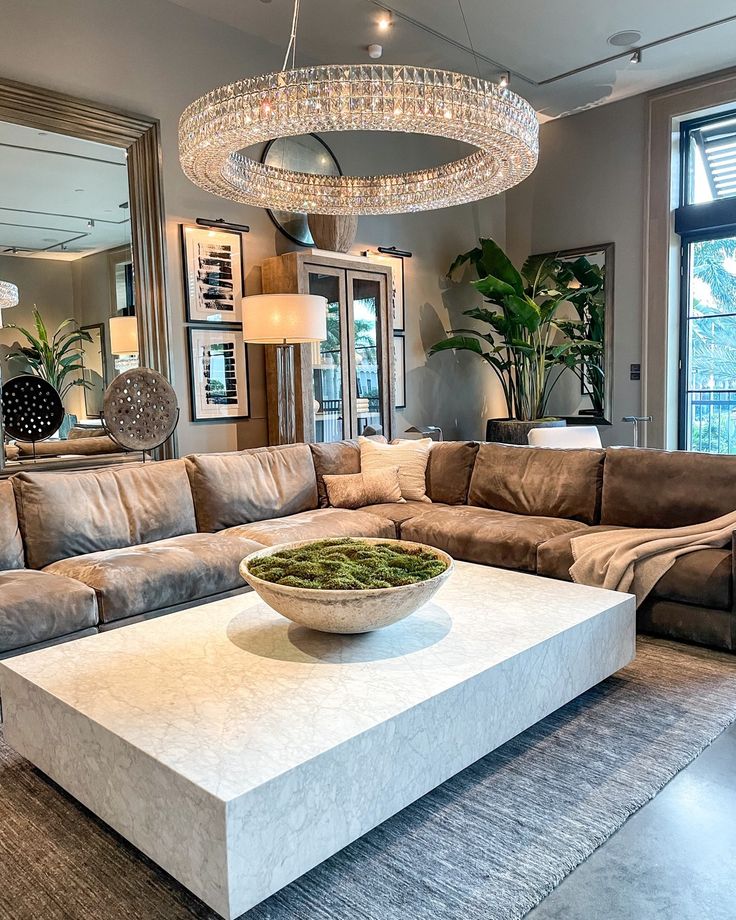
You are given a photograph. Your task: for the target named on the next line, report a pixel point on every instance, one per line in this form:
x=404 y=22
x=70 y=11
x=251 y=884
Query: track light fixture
x=635 y=57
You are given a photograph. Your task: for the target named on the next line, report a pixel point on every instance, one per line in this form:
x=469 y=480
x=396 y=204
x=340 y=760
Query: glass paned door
x=329 y=369
x=708 y=347
x=367 y=296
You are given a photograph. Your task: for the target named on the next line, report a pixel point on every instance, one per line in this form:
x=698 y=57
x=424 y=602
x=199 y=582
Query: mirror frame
x=609 y=252
x=139 y=136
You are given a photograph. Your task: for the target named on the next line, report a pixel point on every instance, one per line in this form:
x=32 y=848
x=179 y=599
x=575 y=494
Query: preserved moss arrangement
x=347 y=564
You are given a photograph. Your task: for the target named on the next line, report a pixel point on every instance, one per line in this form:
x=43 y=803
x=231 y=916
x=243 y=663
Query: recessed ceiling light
x=48 y=239
x=78 y=189
x=625 y=39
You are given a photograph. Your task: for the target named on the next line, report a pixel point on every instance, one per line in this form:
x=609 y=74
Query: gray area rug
x=487 y=845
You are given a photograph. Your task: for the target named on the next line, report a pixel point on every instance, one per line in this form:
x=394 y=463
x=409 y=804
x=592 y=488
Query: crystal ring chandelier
x=215 y=130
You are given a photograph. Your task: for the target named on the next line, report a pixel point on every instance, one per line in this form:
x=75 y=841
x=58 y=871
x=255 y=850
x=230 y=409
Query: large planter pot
x=345 y=612
x=334 y=232
x=512 y=431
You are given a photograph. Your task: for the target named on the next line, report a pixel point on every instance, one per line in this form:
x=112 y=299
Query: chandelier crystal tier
x=216 y=130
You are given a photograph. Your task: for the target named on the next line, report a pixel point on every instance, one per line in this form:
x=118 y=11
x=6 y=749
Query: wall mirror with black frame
x=81 y=238
x=583 y=394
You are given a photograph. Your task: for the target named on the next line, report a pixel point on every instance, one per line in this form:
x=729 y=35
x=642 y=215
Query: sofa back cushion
x=251 y=485
x=538 y=481
x=336 y=458
x=659 y=488
x=11 y=544
x=69 y=514
x=449 y=470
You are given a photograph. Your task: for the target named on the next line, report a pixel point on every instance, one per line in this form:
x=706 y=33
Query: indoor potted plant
x=523 y=341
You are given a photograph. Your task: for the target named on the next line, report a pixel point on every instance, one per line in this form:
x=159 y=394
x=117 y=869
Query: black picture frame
x=195 y=417
x=274 y=220
x=190 y=315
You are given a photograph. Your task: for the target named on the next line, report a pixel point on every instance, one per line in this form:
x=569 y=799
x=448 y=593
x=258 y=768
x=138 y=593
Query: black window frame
x=695 y=223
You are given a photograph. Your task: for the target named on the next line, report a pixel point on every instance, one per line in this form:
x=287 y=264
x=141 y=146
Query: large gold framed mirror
x=82 y=238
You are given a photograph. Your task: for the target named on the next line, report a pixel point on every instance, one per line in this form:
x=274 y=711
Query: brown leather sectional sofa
x=91 y=550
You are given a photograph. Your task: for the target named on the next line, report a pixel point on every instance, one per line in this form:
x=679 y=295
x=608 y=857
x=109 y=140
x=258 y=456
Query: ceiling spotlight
x=635 y=57
x=90 y=224
x=384 y=22
x=375 y=51
x=504 y=79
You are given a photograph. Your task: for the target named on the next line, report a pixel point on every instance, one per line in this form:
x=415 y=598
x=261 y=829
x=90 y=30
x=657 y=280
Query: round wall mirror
x=306 y=153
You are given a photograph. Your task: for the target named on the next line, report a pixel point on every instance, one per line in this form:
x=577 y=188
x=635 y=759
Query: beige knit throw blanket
x=634 y=560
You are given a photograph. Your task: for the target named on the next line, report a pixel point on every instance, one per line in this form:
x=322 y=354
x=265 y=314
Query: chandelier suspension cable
x=470 y=40
x=291 y=47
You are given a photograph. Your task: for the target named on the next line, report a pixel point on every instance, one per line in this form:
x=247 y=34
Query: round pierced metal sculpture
x=32 y=408
x=140 y=409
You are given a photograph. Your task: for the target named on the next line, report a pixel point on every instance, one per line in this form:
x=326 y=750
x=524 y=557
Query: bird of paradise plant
x=521 y=344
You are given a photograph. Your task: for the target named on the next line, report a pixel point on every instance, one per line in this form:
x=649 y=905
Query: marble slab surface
x=239 y=750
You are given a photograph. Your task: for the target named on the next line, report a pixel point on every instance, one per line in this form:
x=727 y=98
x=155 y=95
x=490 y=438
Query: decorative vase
x=513 y=431
x=333 y=232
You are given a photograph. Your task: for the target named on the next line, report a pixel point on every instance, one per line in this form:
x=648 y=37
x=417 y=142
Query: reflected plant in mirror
x=56 y=357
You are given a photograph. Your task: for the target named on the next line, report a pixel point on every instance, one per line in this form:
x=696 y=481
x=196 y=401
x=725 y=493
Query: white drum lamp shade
x=124 y=335
x=8 y=297
x=284 y=319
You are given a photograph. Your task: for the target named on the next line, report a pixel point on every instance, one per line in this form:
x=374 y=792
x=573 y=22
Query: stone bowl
x=346 y=611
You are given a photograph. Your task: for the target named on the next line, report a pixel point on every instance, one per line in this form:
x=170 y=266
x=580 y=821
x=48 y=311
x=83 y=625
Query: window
x=706 y=222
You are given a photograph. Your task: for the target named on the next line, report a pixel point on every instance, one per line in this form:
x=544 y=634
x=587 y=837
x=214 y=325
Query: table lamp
x=124 y=342
x=285 y=320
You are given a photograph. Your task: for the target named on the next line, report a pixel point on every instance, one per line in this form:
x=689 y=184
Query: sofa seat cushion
x=154 y=576
x=702 y=578
x=38 y=606
x=485 y=536
x=554 y=556
x=317 y=525
x=398 y=512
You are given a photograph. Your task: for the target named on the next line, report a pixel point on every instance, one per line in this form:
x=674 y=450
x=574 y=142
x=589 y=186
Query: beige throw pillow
x=355 y=490
x=410 y=457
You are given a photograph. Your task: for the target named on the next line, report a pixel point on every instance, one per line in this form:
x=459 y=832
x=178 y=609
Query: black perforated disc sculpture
x=140 y=409
x=32 y=408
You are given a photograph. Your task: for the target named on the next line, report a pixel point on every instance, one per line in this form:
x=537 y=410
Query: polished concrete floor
x=675 y=859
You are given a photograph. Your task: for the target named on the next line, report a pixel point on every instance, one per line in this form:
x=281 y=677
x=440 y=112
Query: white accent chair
x=570 y=436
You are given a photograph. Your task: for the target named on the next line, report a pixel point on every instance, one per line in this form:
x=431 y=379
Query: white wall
x=589 y=188
x=153 y=57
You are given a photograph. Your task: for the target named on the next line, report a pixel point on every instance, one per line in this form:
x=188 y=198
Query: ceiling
x=536 y=40
x=60 y=196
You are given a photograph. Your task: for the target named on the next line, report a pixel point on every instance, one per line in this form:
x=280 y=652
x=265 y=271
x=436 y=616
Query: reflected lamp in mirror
x=124 y=342
x=285 y=320
x=8 y=297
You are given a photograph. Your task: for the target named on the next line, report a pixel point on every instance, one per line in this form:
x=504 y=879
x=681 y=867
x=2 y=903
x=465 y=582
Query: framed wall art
x=397 y=272
x=399 y=372
x=213 y=274
x=218 y=374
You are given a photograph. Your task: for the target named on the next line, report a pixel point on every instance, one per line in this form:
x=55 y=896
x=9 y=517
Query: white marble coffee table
x=238 y=750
